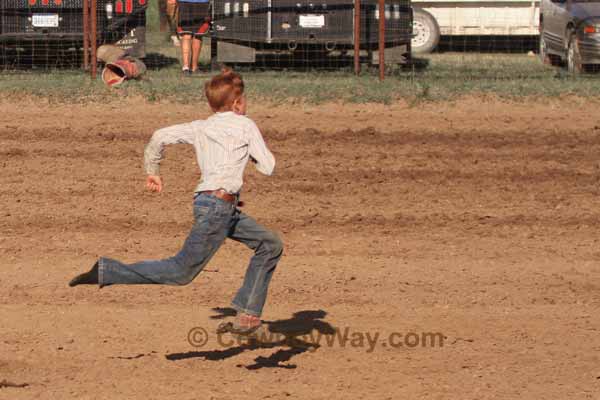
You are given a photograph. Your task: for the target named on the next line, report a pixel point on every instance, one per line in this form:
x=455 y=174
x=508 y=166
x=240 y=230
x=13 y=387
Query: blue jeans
x=214 y=220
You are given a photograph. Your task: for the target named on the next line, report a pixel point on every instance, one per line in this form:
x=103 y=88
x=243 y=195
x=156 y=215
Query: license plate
x=45 y=20
x=312 y=21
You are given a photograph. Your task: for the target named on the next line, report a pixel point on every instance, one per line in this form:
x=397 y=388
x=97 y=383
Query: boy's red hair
x=224 y=89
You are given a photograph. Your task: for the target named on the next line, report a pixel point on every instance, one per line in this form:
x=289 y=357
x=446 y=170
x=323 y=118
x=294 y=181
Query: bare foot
x=247 y=321
x=244 y=324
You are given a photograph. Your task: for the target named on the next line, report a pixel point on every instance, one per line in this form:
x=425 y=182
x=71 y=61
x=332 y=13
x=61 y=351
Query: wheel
x=426 y=32
x=574 y=64
x=549 y=59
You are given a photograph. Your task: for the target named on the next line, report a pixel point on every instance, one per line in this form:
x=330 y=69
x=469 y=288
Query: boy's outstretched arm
x=153 y=154
x=260 y=154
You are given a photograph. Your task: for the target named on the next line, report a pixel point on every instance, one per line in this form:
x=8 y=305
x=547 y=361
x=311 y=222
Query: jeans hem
x=101 y=273
x=239 y=308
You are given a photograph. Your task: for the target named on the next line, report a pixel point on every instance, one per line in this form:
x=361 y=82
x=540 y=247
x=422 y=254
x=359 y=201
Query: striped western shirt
x=224 y=142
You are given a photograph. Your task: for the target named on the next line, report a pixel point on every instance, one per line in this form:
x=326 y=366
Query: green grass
x=447 y=76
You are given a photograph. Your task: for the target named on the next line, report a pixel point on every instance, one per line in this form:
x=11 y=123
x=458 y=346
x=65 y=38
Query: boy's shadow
x=292 y=336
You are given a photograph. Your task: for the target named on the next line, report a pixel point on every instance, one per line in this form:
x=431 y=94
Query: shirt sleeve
x=176 y=134
x=260 y=154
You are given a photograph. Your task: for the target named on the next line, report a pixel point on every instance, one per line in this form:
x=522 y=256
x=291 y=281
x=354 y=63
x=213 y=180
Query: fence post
x=93 y=39
x=86 y=31
x=381 y=40
x=357 y=33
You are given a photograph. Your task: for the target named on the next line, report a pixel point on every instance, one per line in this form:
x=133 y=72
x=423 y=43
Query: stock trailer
x=243 y=30
x=58 y=24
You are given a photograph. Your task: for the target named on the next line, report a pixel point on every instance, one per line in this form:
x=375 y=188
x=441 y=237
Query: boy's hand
x=154 y=183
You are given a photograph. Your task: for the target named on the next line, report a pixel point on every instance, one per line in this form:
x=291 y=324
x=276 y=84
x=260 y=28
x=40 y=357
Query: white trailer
x=436 y=18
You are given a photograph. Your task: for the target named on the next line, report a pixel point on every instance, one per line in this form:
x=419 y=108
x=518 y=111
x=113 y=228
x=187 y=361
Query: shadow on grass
x=39 y=57
x=159 y=61
x=62 y=59
x=416 y=64
x=287 y=341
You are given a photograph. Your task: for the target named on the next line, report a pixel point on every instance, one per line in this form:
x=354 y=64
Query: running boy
x=224 y=143
x=194 y=23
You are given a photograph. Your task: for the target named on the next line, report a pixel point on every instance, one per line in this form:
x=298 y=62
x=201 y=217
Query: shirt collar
x=224 y=113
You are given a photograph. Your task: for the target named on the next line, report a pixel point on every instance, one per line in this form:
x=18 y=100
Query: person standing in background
x=194 y=23
x=169 y=18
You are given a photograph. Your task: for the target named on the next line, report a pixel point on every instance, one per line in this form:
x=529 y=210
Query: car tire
x=426 y=32
x=574 y=65
x=545 y=57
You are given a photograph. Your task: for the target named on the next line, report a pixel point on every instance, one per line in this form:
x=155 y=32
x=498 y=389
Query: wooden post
x=381 y=40
x=93 y=39
x=357 y=15
x=86 y=32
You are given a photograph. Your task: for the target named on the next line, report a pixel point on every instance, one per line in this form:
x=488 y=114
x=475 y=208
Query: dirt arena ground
x=478 y=219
